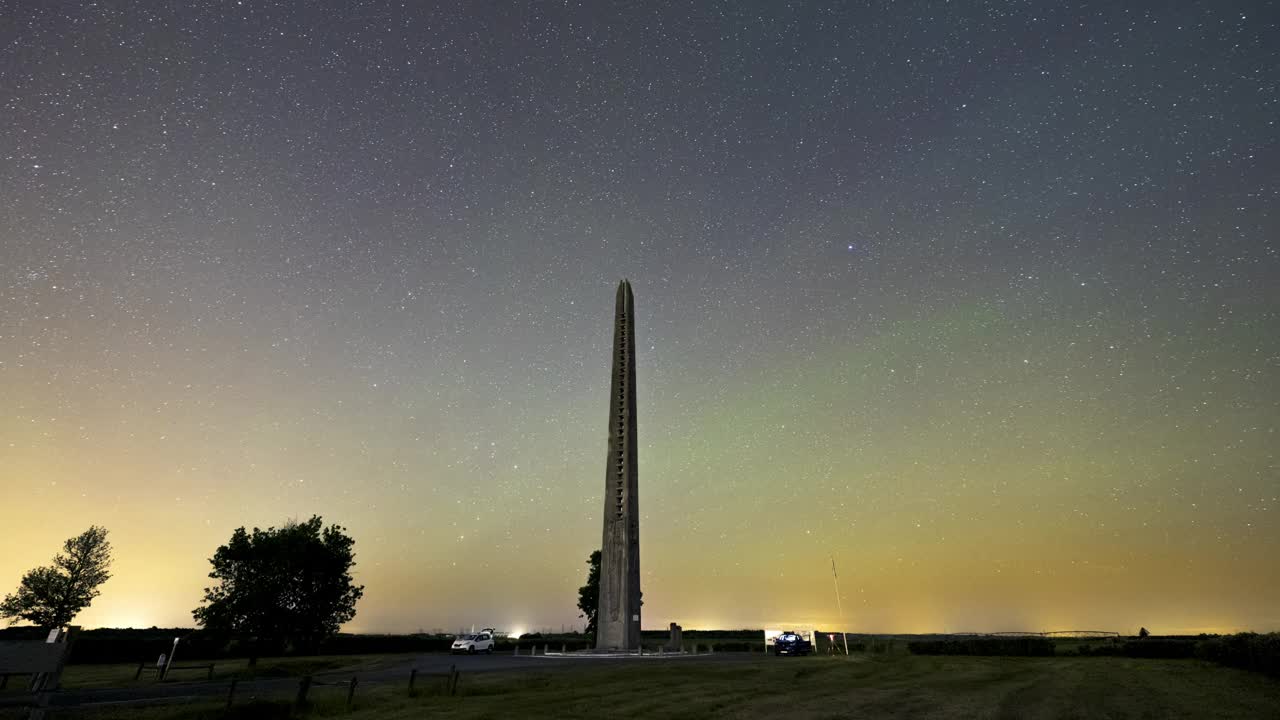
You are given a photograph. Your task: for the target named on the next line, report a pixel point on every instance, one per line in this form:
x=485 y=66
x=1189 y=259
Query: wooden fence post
x=231 y=693
x=413 y=675
x=351 y=692
x=164 y=672
x=53 y=680
x=304 y=685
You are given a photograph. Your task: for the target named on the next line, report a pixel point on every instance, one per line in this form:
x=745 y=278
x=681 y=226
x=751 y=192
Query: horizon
x=983 y=306
x=527 y=631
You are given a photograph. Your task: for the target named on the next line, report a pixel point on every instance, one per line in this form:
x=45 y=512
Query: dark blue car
x=789 y=643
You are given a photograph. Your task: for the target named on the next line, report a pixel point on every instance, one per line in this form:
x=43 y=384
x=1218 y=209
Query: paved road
x=427 y=665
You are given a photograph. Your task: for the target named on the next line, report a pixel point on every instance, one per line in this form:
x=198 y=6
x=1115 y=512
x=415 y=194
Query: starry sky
x=977 y=298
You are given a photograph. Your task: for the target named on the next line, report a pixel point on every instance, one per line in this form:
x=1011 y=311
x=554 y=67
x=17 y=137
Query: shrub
x=1013 y=646
x=739 y=646
x=1167 y=649
x=1248 y=651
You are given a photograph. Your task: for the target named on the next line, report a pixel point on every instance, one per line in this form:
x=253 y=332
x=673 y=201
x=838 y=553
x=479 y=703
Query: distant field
x=816 y=687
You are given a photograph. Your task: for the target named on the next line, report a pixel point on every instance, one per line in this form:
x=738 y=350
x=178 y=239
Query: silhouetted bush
x=1168 y=649
x=1160 y=648
x=1013 y=646
x=110 y=645
x=378 y=644
x=881 y=646
x=1248 y=651
x=1086 y=650
x=571 y=643
x=738 y=645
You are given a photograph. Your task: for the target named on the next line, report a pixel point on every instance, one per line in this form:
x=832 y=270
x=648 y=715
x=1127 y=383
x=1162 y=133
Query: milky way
x=979 y=299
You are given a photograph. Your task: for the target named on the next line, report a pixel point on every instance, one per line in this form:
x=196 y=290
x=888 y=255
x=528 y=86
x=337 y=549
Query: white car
x=472 y=644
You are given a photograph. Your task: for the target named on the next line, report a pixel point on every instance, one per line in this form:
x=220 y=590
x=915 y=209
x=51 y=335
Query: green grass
x=79 y=677
x=816 y=687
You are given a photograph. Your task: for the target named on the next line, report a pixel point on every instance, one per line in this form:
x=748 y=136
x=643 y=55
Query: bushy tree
x=50 y=597
x=282 y=586
x=589 y=595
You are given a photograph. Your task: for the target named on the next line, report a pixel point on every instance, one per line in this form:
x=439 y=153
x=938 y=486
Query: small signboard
x=30 y=657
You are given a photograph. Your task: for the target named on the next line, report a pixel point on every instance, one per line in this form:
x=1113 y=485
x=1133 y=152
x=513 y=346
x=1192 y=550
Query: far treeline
x=1259 y=652
x=255 y=607
x=128 y=645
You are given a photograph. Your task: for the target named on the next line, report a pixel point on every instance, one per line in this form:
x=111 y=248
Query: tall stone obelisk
x=618 y=614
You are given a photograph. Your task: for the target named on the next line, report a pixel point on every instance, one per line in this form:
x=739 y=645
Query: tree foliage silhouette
x=51 y=596
x=290 y=586
x=589 y=594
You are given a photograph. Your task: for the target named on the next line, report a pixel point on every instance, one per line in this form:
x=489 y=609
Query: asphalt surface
x=428 y=665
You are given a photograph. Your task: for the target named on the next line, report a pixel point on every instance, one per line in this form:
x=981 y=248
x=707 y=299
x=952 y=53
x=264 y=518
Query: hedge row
x=110 y=645
x=1169 y=649
x=1019 y=646
x=1249 y=651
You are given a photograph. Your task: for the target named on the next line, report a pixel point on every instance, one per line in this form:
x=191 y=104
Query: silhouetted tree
x=589 y=595
x=1142 y=632
x=50 y=597
x=278 y=587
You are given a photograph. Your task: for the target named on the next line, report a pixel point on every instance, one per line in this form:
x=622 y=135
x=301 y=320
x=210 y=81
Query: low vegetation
x=819 y=687
x=1247 y=651
x=1011 y=646
x=116 y=645
x=122 y=675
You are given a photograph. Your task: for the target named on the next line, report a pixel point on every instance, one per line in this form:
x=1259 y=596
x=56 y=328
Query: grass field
x=81 y=677
x=816 y=687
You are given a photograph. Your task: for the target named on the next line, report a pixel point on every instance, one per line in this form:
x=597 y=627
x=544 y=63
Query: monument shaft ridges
x=618 y=614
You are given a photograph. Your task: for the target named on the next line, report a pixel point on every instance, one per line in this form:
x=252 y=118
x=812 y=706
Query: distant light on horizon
x=366 y=271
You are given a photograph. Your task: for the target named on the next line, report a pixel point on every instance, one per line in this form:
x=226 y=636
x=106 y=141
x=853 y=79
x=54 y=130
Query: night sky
x=979 y=298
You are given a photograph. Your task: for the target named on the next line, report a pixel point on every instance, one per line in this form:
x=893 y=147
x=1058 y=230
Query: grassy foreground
x=816 y=687
x=85 y=676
